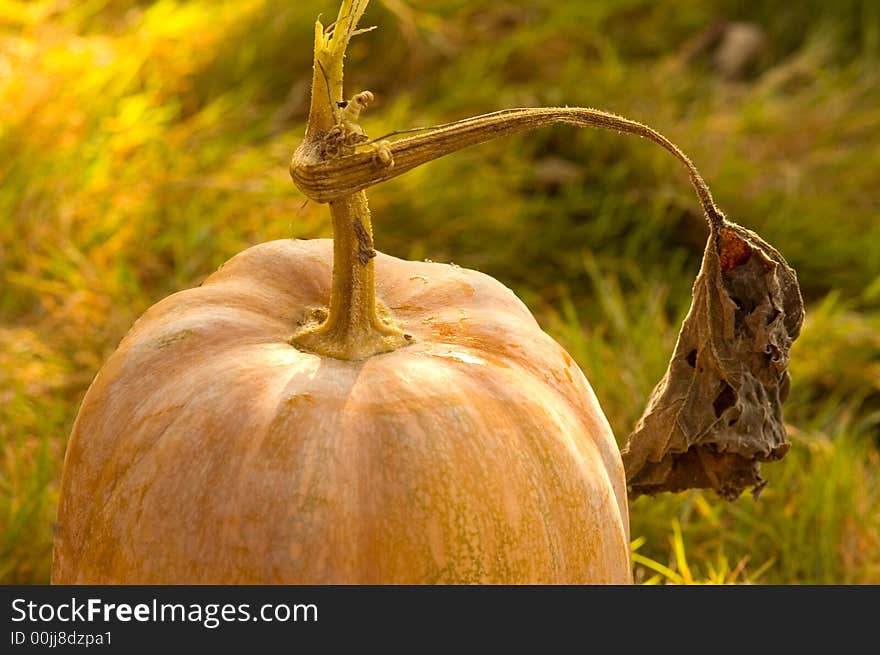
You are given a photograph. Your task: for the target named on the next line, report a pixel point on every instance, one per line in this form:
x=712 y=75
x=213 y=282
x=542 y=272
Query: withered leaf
x=717 y=412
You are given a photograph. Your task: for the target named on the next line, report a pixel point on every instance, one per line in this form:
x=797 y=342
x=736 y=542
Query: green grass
x=144 y=143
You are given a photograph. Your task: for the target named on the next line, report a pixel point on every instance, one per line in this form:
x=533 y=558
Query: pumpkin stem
x=324 y=179
x=355 y=325
x=330 y=45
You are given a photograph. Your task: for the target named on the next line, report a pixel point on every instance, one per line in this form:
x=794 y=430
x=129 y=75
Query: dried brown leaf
x=717 y=412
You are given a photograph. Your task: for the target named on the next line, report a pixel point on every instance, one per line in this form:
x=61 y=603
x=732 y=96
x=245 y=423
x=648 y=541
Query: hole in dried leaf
x=724 y=400
x=733 y=250
x=691 y=358
x=772 y=353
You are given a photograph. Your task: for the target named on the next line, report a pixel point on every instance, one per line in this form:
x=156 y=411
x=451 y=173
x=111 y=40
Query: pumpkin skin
x=208 y=450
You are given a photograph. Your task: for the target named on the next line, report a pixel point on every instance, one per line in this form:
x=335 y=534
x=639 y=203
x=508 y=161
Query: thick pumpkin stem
x=355 y=325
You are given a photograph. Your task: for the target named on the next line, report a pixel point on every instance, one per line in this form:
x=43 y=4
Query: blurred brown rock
x=732 y=47
x=739 y=47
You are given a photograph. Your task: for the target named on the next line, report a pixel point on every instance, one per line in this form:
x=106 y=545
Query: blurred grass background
x=144 y=143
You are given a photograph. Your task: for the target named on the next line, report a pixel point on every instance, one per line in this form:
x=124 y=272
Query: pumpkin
x=317 y=413
x=210 y=450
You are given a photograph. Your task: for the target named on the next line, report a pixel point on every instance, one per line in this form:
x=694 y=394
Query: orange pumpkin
x=210 y=450
x=417 y=428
